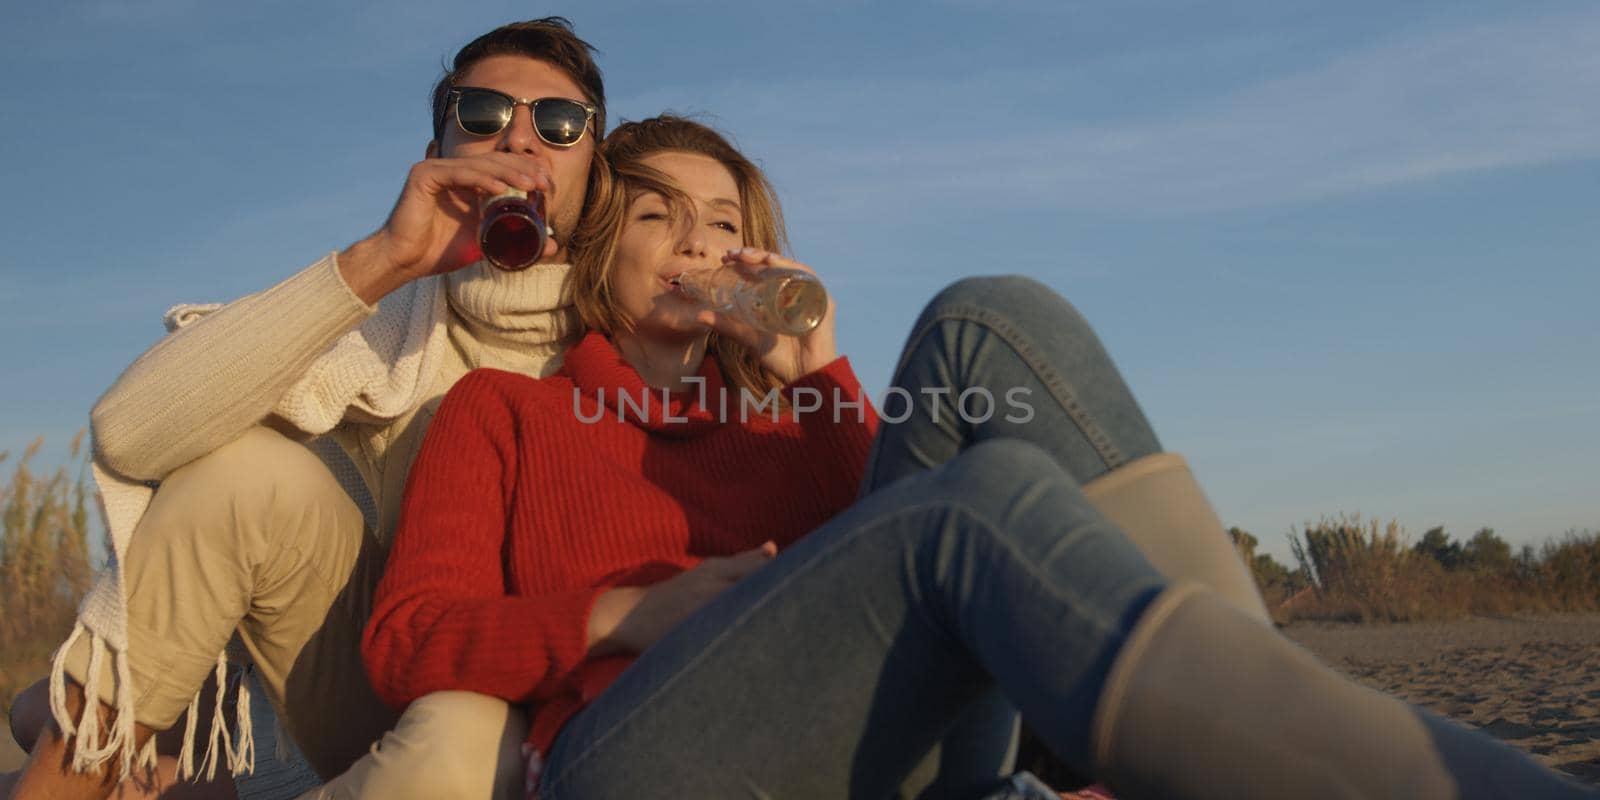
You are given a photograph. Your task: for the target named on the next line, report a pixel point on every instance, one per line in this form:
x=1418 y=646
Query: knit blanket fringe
x=93 y=755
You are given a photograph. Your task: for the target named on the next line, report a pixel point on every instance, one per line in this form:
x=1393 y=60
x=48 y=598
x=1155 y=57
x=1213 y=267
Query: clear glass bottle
x=513 y=230
x=788 y=302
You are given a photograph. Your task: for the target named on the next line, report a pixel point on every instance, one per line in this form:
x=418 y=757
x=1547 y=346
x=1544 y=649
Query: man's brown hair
x=549 y=39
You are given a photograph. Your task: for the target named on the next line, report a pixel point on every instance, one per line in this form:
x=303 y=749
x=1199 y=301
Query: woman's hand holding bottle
x=789 y=357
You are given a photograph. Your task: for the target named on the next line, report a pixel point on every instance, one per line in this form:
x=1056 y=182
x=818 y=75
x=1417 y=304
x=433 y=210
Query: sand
x=1534 y=682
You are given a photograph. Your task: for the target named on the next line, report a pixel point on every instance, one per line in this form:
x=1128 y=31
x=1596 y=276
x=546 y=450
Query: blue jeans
x=971 y=567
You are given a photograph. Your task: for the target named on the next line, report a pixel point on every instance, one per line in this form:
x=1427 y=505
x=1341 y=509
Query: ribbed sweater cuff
x=318 y=303
x=331 y=264
x=319 y=306
x=568 y=638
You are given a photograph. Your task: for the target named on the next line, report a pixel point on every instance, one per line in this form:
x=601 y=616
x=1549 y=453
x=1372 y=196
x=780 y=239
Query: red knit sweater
x=522 y=508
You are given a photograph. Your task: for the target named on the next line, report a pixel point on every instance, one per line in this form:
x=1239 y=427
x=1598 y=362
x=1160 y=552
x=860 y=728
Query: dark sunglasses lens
x=483 y=113
x=560 y=121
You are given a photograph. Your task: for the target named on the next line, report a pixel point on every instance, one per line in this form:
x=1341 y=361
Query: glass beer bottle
x=788 y=302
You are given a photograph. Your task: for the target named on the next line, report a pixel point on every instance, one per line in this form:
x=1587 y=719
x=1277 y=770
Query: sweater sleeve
x=201 y=386
x=846 y=421
x=442 y=617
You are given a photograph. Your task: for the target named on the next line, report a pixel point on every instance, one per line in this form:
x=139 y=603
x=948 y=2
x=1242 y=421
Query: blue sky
x=1344 y=252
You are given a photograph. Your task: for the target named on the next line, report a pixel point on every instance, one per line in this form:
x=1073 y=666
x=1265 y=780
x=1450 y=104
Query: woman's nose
x=692 y=241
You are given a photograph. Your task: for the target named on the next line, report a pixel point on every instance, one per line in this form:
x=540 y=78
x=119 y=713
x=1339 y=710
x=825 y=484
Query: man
x=250 y=533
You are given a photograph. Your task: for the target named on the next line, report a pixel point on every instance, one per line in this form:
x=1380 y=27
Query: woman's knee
x=1015 y=297
x=1078 y=376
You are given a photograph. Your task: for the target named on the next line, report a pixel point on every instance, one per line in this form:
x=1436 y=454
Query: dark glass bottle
x=513 y=230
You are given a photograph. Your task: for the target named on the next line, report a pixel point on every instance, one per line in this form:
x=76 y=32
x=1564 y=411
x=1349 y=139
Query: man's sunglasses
x=559 y=121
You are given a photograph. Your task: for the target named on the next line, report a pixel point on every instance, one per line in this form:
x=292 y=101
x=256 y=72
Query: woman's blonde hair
x=594 y=244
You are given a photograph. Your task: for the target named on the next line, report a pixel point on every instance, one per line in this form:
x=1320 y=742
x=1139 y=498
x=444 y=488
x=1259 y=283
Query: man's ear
x=433 y=149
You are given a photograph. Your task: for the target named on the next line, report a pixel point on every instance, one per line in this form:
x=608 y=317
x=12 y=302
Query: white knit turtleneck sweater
x=308 y=357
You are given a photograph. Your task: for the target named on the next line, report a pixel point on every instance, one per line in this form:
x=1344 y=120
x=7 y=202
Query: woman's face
x=655 y=246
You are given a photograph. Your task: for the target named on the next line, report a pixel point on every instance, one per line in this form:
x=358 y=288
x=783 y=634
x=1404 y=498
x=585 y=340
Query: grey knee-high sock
x=1157 y=503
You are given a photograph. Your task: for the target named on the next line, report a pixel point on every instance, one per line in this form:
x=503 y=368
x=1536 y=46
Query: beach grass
x=1355 y=570
x=45 y=525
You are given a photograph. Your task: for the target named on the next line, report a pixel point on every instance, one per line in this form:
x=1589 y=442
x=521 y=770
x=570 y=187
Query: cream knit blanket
x=374 y=373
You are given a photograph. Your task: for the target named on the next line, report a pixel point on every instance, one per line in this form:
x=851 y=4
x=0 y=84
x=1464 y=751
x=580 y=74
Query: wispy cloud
x=1410 y=109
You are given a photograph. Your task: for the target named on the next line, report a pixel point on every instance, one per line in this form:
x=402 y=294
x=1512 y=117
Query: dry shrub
x=1363 y=572
x=44 y=563
x=1567 y=575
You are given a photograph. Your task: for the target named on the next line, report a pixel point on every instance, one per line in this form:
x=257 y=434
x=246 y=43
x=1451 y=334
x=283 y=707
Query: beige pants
x=258 y=538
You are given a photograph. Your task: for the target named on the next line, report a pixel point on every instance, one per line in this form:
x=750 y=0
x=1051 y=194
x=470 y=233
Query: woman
x=613 y=567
